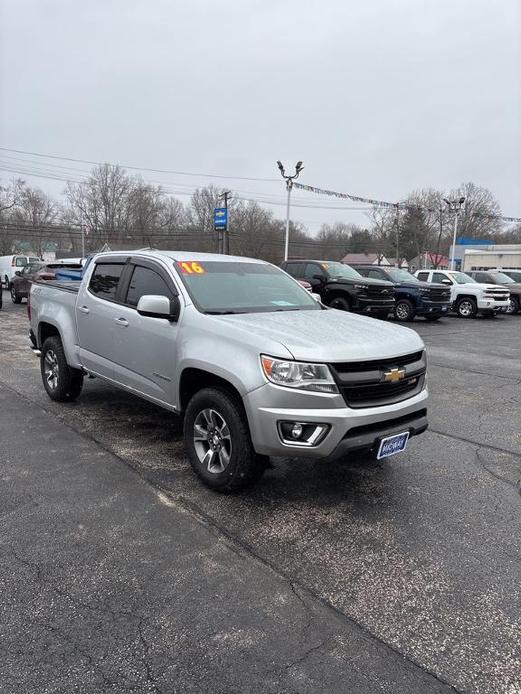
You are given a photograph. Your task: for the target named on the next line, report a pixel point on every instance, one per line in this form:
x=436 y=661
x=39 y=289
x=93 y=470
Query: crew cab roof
x=182 y=256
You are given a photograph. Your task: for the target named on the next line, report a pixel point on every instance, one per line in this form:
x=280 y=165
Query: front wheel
x=62 y=383
x=514 y=306
x=14 y=296
x=218 y=443
x=466 y=308
x=404 y=310
x=340 y=303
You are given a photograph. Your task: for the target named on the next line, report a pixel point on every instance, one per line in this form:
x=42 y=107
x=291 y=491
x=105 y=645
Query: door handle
x=83 y=309
x=122 y=321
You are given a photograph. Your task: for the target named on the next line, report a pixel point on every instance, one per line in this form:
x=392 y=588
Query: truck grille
x=366 y=384
x=498 y=294
x=439 y=295
x=379 y=292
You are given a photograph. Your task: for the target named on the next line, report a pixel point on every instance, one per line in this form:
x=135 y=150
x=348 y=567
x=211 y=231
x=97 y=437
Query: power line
x=137 y=168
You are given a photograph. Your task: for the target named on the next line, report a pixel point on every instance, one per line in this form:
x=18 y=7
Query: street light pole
x=454 y=206
x=289 y=185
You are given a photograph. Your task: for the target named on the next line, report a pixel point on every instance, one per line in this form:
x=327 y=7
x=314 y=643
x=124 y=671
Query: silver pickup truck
x=256 y=366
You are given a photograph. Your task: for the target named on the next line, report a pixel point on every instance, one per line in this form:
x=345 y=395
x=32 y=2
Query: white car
x=11 y=264
x=468 y=296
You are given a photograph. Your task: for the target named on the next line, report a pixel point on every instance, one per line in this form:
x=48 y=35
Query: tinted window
x=483 y=277
x=105 y=279
x=146 y=281
x=439 y=277
x=313 y=269
x=295 y=269
x=423 y=276
x=21 y=262
x=375 y=274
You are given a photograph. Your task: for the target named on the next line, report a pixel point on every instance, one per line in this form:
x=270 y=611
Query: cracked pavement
x=119 y=572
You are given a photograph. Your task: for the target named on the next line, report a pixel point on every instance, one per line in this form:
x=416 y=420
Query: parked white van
x=10 y=264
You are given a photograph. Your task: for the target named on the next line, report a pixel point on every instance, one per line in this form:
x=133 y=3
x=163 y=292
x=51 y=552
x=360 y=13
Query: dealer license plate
x=392 y=445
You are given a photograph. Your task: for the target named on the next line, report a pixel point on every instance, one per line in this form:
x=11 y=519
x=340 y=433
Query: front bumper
x=431 y=308
x=364 y=304
x=492 y=304
x=349 y=429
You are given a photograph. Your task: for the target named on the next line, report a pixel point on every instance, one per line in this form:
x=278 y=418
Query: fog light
x=297 y=430
x=302 y=433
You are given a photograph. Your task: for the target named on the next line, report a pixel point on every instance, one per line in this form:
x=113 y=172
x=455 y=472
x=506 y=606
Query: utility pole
x=289 y=185
x=398 y=235
x=454 y=206
x=82 y=236
x=226 y=234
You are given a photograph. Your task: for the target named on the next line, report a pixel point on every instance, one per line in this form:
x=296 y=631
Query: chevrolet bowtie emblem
x=394 y=375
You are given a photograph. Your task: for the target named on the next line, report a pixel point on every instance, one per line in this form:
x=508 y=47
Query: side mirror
x=446 y=282
x=155 y=306
x=18 y=273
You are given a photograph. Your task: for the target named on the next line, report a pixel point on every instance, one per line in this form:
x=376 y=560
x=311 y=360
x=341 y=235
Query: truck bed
x=71 y=286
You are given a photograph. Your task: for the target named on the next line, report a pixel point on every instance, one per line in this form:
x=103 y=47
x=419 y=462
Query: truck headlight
x=362 y=287
x=296 y=374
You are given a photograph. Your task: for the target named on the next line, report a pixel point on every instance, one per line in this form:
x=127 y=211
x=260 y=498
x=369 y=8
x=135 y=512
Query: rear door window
x=145 y=281
x=423 y=276
x=312 y=270
x=105 y=280
x=375 y=274
x=21 y=262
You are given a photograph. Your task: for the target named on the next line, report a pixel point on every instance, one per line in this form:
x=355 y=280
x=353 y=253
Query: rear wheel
x=341 y=303
x=62 y=383
x=404 y=310
x=218 y=442
x=466 y=308
x=14 y=296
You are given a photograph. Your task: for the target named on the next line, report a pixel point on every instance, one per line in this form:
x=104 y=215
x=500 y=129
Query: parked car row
x=383 y=291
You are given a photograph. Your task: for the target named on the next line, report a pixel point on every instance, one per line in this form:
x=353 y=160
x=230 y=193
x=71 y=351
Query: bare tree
x=37 y=211
x=479 y=218
x=100 y=203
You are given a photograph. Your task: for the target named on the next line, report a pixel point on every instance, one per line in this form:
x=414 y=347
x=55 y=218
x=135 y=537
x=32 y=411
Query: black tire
x=65 y=383
x=515 y=305
x=431 y=319
x=340 y=303
x=226 y=462
x=404 y=310
x=466 y=307
x=14 y=296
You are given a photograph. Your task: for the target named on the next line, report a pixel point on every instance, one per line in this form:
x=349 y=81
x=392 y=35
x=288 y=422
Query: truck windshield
x=502 y=278
x=402 y=275
x=239 y=287
x=462 y=278
x=339 y=271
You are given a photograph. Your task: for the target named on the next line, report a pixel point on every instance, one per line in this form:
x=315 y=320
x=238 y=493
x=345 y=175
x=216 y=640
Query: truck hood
x=329 y=335
x=370 y=281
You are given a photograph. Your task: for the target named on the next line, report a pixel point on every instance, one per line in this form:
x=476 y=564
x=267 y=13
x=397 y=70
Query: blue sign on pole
x=220 y=218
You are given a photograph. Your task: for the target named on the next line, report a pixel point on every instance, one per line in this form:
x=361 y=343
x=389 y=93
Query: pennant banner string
x=384 y=203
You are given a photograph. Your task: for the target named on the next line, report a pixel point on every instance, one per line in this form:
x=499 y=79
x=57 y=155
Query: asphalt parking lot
x=413 y=565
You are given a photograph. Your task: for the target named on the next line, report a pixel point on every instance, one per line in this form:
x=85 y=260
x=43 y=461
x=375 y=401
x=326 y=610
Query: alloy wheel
x=51 y=369
x=465 y=309
x=212 y=440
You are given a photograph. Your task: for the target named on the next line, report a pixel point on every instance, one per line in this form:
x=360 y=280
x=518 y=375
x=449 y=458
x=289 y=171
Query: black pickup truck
x=413 y=297
x=339 y=286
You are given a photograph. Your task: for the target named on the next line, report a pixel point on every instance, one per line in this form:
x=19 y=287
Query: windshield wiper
x=223 y=312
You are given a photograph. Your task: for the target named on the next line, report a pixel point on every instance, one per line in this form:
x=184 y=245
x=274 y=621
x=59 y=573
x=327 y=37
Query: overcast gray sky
x=377 y=97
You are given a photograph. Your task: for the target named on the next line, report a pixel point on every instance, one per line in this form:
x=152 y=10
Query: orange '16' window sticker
x=190 y=267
